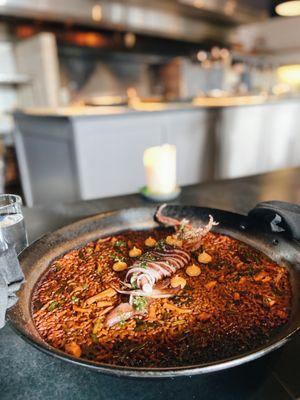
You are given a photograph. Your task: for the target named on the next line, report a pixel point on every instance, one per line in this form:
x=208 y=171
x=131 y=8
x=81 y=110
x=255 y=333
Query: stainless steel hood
x=192 y=20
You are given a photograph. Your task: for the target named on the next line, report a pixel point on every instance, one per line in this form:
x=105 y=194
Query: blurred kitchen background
x=86 y=86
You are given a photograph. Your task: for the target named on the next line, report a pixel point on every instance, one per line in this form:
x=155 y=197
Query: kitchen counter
x=86 y=153
x=140 y=106
x=26 y=373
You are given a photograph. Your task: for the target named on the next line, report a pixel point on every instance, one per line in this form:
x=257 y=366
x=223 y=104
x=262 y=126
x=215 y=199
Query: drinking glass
x=12 y=225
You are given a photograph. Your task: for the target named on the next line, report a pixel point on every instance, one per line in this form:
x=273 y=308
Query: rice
x=240 y=299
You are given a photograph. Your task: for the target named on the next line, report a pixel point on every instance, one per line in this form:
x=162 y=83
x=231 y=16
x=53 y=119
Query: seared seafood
x=161 y=262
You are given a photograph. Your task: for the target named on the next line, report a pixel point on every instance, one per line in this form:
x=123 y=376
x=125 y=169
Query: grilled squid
x=145 y=278
x=120 y=313
x=155 y=266
x=189 y=237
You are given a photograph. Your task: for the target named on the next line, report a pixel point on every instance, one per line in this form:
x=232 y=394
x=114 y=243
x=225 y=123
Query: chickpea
x=120 y=266
x=73 y=348
x=178 y=281
x=173 y=241
x=135 y=252
x=204 y=258
x=150 y=242
x=193 y=270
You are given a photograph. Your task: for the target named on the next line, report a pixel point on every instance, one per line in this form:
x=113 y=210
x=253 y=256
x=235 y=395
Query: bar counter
x=26 y=373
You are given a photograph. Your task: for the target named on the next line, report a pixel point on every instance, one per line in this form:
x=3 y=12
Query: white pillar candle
x=160 y=169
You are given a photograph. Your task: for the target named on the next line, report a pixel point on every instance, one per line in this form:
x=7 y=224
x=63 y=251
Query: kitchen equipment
x=271 y=227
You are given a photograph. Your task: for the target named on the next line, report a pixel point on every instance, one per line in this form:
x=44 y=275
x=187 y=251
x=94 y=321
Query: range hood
x=189 y=20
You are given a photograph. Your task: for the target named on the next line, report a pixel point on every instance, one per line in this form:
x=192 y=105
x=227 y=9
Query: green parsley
x=120 y=243
x=75 y=299
x=122 y=321
x=53 y=305
x=161 y=245
x=134 y=285
x=139 y=303
x=181 y=227
x=143 y=264
x=116 y=257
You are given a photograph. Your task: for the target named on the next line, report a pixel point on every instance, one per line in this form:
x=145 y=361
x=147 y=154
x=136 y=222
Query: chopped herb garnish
x=120 y=243
x=122 y=319
x=161 y=245
x=85 y=286
x=60 y=290
x=81 y=255
x=134 y=285
x=75 y=299
x=116 y=257
x=94 y=338
x=53 y=305
x=183 y=299
x=143 y=264
x=139 y=303
x=147 y=257
x=181 y=227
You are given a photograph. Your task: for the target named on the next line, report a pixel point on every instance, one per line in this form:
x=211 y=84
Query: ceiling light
x=288 y=8
x=201 y=56
x=215 y=52
x=224 y=53
x=129 y=39
x=97 y=13
x=289 y=74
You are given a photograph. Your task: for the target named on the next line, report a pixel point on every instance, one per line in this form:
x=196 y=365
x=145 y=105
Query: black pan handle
x=279 y=216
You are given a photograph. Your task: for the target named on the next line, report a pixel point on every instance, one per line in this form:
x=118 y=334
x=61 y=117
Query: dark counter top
x=26 y=373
